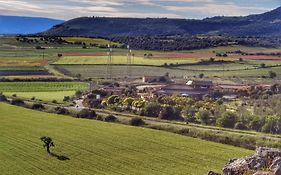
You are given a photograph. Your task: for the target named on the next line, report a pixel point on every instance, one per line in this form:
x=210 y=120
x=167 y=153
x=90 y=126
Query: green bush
x=87 y=113
x=227 y=120
x=17 y=102
x=110 y=118
x=3 y=98
x=241 y=126
x=136 y=121
x=152 y=109
x=205 y=117
x=113 y=99
x=37 y=106
x=60 y=110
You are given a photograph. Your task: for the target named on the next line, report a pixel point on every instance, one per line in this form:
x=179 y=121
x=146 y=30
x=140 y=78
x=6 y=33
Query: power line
x=109 y=62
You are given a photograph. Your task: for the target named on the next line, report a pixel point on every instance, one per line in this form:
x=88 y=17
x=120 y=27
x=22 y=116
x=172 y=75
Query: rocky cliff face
x=266 y=161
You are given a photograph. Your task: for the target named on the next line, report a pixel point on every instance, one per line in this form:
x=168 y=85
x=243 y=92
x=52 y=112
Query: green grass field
x=45 y=91
x=122 y=60
x=90 y=40
x=32 y=68
x=44 y=96
x=41 y=86
x=95 y=147
x=226 y=71
x=100 y=71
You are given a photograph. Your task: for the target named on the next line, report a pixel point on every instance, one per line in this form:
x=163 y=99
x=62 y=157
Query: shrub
x=37 y=106
x=201 y=75
x=241 y=126
x=272 y=74
x=113 y=99
x=87 y=113
x=257 y=123
x=204 y=116
x=136 y=121
x=99 y=118
x=78 y=93
x=60 y=110
x=227 y=120
x=54 y=101
x=110 y=118
x=17 y=102
x=262 y=65
x=166 y=113
x=3 y=97
x=170 y=113
x=189 y=114
x=66 y=98
x=152 y=110
x=38 y=47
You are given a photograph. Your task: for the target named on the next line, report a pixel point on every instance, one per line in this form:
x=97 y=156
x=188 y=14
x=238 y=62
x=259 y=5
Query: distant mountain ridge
x=266 y=24
x=25 y=25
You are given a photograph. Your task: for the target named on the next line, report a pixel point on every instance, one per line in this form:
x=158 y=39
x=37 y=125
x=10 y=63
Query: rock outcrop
x=266 y=161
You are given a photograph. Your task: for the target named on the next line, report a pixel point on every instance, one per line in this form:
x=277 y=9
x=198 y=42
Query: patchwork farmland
x=72 y=76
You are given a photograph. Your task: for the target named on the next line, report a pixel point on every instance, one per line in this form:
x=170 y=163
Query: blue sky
x=68 y=9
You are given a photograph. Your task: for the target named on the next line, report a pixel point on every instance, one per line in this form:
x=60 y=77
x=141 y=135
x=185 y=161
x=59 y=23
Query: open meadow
x=45 y=91
x=94 y=147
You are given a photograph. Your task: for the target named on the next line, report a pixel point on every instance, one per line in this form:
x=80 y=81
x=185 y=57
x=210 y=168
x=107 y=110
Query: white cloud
x=218 y=9
x=66 y=9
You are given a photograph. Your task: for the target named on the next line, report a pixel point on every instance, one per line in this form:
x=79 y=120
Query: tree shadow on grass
x=60 y=157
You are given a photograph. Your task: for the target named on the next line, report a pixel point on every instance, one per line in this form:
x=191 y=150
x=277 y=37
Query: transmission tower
x=109 y=62
x=129 y=62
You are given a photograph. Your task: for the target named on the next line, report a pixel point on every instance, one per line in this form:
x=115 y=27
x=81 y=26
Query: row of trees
x=206 y=111
x=191 y=42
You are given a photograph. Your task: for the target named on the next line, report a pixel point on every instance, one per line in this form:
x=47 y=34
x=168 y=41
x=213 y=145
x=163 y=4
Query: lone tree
x=48 y=142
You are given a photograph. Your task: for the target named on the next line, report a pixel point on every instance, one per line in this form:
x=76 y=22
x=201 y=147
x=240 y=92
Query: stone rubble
x=266 y=161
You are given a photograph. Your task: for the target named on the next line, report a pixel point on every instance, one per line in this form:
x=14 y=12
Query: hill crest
x=266 y=24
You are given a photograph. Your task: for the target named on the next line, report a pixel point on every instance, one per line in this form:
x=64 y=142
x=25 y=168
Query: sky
x=191 y=9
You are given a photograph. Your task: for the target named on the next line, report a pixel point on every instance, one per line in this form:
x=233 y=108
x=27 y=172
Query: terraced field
x=94 y=147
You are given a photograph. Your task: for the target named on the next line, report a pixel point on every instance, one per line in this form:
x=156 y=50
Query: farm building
x=199 y=85
x=155 y=79
x=193 y=90
x=113 y=90
x=233 y=88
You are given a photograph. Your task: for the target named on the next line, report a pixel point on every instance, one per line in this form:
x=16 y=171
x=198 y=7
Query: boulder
x=235 y=167
x=213 y=173
x=263 y=158
x=276 y=166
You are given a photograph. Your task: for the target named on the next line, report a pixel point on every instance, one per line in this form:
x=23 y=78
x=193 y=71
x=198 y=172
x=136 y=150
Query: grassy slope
x=44 y=96
x=46 y=91
x=90 y=40
x=95 y=147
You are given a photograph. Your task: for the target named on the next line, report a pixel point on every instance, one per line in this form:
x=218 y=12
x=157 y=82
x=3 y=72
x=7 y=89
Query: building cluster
x=154 y=86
